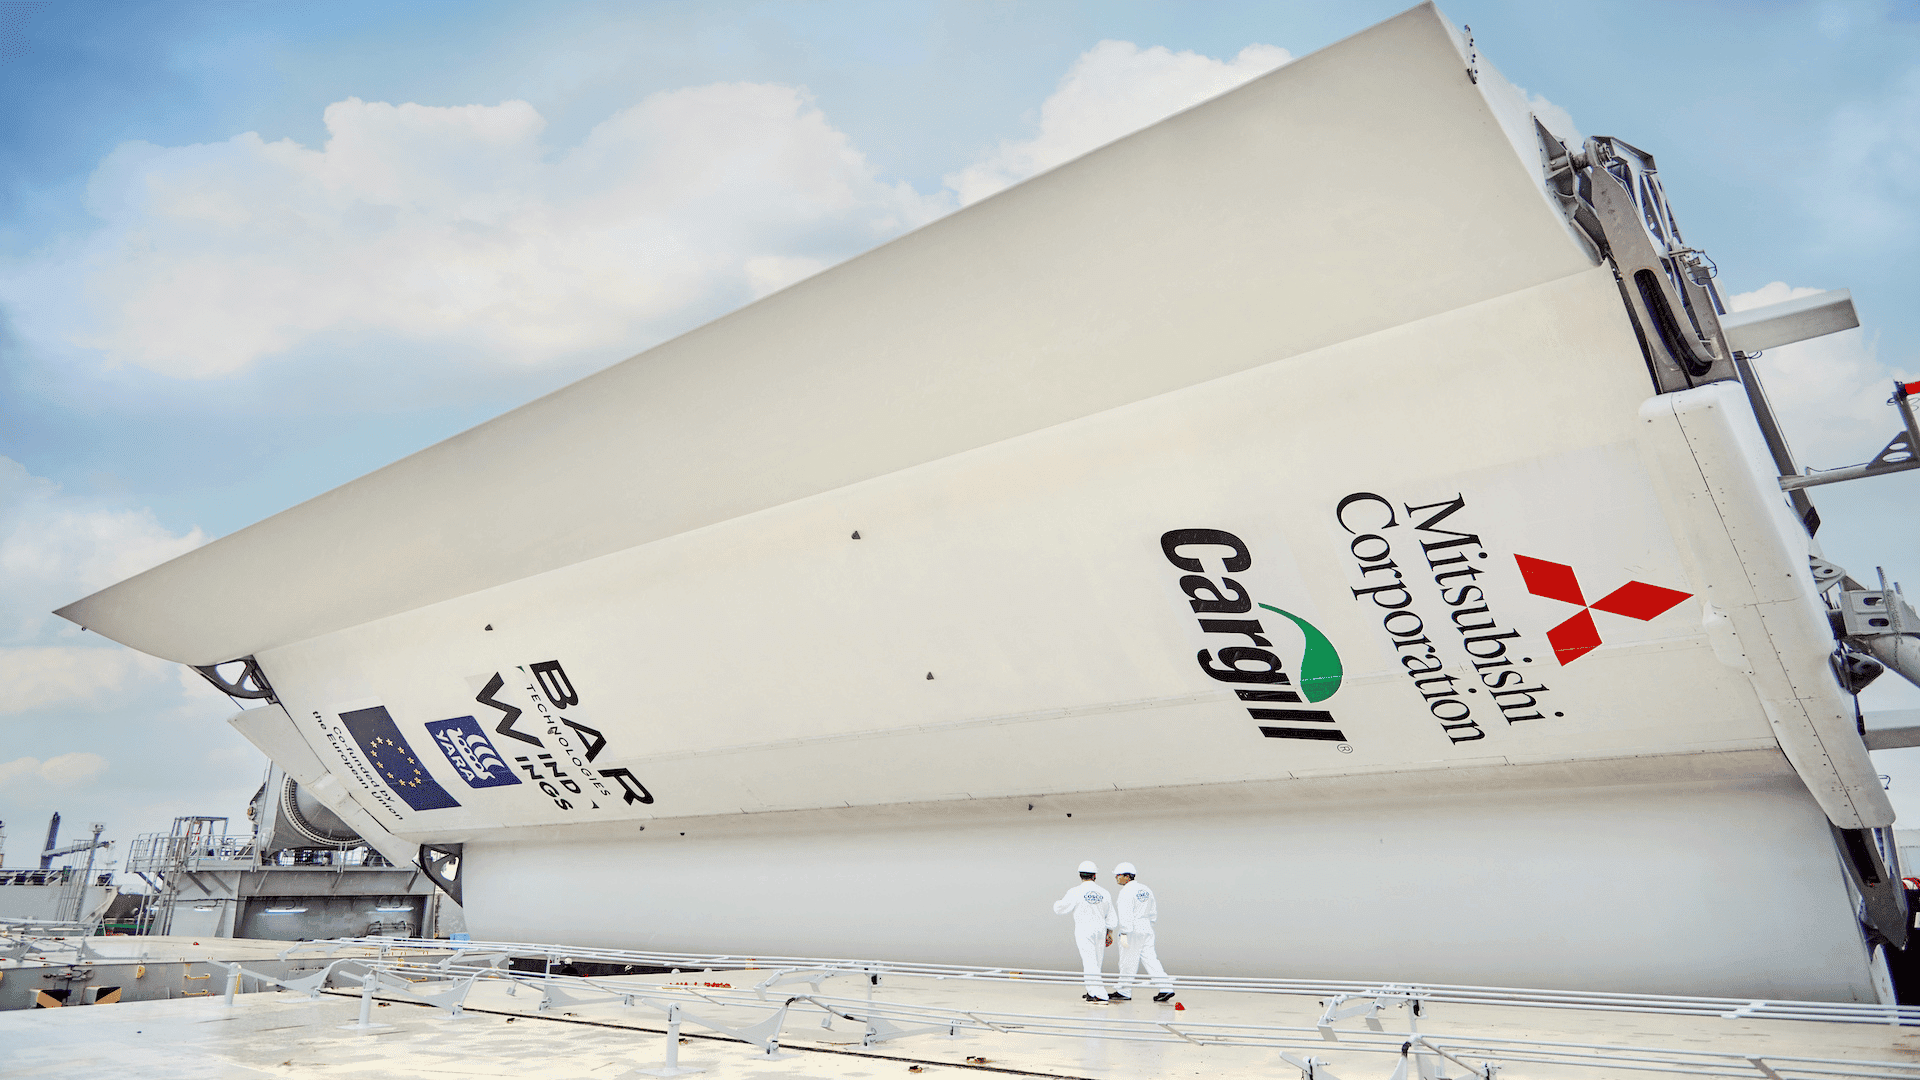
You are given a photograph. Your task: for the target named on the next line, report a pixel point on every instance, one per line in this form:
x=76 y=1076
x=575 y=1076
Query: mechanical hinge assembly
x=1612 y=192
x=1875 y=629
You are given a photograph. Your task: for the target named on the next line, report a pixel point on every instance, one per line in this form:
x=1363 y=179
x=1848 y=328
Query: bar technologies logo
x=1255 y=665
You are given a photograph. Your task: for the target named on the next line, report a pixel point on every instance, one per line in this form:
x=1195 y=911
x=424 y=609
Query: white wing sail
x=1276 y=498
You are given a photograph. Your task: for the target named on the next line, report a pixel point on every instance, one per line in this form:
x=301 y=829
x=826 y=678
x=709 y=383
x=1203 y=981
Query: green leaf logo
x=1320 y=669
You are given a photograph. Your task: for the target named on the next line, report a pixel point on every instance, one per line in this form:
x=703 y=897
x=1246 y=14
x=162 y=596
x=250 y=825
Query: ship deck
x=427 y=1021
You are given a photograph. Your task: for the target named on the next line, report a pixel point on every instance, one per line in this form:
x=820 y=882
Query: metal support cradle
x=1415 y=1054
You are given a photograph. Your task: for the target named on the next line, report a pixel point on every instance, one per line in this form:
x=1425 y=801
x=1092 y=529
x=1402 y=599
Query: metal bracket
x=1872 y=612
x=811 y=976
x=1877 y=622
x=1367 y=1004
x=1882 y=895
x=1824 y=572
x=880 y=1030
x=551 y=995
x=764 y=1034
x=251 y=684
x=1898 y=455
x=1311 y=1068
x=1855 y=668
x=451 y=996
x=1612 y=191
x=433 y=862
x=486 y=960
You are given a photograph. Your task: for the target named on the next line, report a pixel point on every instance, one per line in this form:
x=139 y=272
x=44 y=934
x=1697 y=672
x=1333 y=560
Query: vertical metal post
x=86 y=876
x=233 y=983
x=673 y=1039
x=1422 y=1067
x=672 y=1066
x=366 y=1026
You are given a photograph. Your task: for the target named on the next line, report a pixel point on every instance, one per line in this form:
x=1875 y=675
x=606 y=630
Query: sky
x=251 y=251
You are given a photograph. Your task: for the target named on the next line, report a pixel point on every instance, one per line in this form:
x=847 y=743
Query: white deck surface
x=287 y=1035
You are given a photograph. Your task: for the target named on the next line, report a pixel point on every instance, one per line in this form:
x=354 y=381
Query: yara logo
x=1254 y=664
x=470 y=752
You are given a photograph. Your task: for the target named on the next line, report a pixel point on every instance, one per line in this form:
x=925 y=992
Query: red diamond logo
x=1574 y=638
x=1639 y=600
x=1553 y=580
x=1579 y=636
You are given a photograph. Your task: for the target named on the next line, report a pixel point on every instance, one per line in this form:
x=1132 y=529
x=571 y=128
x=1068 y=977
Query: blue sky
x=210 y=312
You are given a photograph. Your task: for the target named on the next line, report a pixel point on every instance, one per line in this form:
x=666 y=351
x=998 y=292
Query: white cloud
x=1829 y=392
x=1554 y=118
x=1113 y=89
x=1869 y=183
x=42 y=676
x=73 y=768
x=460 y=231
x=78 y=767
x=66 y=689
x=461 y=227
x=55 y=548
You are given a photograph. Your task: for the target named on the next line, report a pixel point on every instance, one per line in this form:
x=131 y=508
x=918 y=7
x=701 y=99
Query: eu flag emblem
x=387 y=751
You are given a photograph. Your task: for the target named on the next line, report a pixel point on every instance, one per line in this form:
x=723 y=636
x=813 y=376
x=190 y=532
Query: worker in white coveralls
x=1093 y=922
x=1136 y=911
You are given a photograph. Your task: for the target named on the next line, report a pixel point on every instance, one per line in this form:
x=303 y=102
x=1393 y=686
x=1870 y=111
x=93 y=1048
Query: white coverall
x=1137 y=912
x=1092 y=910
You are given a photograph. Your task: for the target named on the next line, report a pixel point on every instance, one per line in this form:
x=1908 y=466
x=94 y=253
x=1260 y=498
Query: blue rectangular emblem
x=470 y=752
x=387 y=751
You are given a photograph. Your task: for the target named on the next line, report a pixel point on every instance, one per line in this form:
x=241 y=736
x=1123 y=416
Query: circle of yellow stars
x=377 y=754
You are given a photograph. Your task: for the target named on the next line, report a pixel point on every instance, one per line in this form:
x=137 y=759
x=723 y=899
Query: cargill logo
x=1319 y=668
x=1578 y=635
x=1268 y=691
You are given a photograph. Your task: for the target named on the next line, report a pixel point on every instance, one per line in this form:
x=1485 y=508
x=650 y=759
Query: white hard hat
x=1125 y=868
x=1089 y=868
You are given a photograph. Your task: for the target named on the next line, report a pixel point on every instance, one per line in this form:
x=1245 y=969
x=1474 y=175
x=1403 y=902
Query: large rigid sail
x=1338 y=499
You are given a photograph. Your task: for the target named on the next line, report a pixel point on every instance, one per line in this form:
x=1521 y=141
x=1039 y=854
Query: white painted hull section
x=54 y=903
x=1530 y=881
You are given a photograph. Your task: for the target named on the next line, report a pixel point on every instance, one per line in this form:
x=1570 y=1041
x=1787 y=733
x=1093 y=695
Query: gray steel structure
x=302 y=875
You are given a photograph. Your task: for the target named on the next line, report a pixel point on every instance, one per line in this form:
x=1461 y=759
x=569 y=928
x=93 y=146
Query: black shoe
x=1117 y=996
x=1164 y=995
x=1095 y=1000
